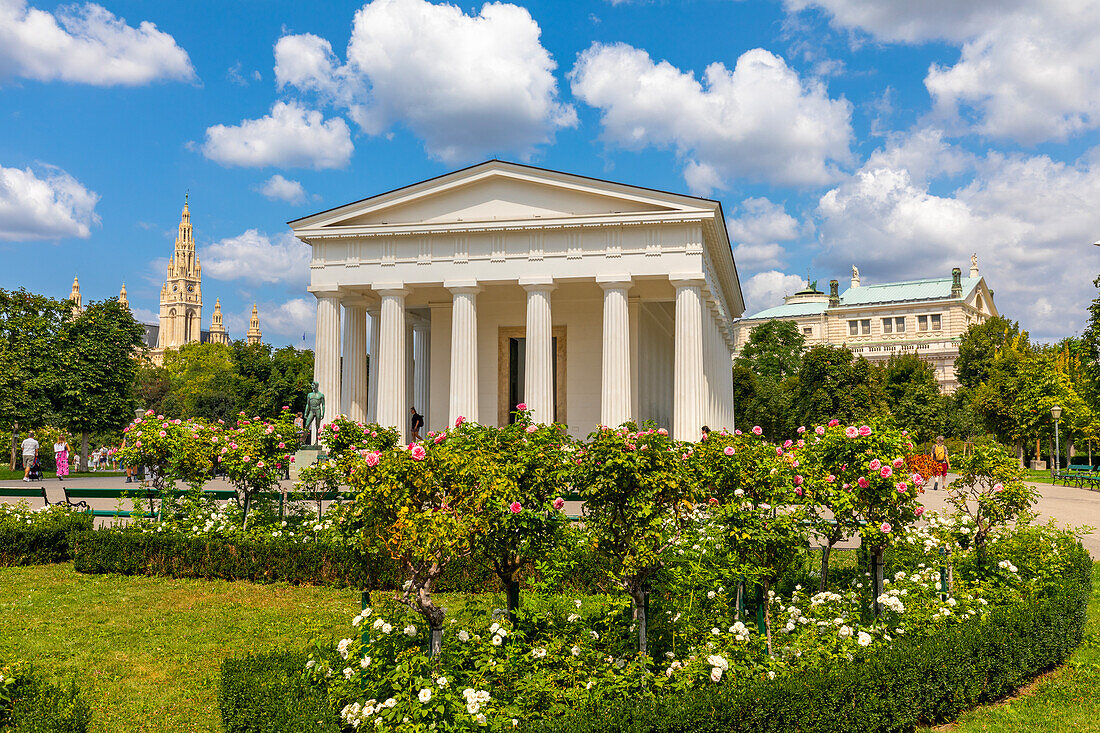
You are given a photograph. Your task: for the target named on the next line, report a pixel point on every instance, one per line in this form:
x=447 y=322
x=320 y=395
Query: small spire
x=122 y=295
x=254 y=335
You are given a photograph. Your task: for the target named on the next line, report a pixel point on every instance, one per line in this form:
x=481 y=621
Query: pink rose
x=292 y=459
x=516 y=507
x=863 y=482
x=418 y=452
x=864 y=430
x=834 y=422
x=820 y=430
x=779 y=451
x=898 y=463
x=137 y=444
x=531 y=428
x=371 y=458
x=459 y=420
x=259 y=464
x=998 y=487
x=246 y=459
x=728 y=450
x=162 y=433
x=876 y=464
x=886 y=472
x=917 y=479
x=798 y=482
x=902 y=487
x=886 y=528
x=918 y=511
x=439 y=438
x=559 y=503
x=787 y=444
x=737 y=432
x=662 y=431
x=830 y=479
x=757 y=430
x=521 y=406
x=851 y=432
x=801 y=429
x=798 y=490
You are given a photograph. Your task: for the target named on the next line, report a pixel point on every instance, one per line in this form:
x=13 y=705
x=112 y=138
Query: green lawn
x=146 y=651
x=1067 y=699
x=6 y=474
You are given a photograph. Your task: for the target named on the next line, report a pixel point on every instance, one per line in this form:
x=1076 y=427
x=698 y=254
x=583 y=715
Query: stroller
x=36 y=469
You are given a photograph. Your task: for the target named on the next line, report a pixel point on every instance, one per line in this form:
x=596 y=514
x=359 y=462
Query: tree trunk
x=435 y=644
x=84 y=450
x=246 y=503
x=767 y=615
x=1020 y=453
x=825 y=552
x=637 y=594
x=876 y=578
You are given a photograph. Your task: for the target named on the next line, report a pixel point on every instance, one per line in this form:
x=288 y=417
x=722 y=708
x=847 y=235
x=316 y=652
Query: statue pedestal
x=307 y=455
x=1038 y=465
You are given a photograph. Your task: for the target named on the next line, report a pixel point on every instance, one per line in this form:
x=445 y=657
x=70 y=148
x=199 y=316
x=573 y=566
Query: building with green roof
x=926 y=317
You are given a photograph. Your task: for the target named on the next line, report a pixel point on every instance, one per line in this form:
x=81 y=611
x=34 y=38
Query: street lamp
x=1056 y=413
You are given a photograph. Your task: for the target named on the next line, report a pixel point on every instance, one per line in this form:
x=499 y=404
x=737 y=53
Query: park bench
x=1079 y=474
x=20 y=492
x=77 y=497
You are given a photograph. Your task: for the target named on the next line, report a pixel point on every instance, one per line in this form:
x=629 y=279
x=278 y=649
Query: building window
x=935 y=321
x=899 y=324
x=887 y=325
x=922 y=323
x=807 y=331
x=853 y=328
x=865 y=326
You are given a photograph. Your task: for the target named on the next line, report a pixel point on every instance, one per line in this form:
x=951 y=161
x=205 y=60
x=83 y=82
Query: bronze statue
x=315 y=412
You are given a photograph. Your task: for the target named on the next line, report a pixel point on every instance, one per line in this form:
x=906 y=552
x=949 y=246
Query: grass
x=146 y=651
x=1067 y=699
x=7 y=474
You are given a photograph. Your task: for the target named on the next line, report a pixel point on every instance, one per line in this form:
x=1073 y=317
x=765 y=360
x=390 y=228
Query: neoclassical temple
x=591 y=301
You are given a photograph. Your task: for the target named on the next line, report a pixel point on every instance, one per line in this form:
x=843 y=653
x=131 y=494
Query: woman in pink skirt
x=61 y=455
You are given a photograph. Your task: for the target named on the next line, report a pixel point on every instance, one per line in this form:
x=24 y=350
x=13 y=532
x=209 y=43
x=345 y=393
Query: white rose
x=442 y=682
x=410 y=630
x=497 y=640
x=364 y=662
x=463 y=636
x=425 y=695
x=864 y=638
x=575 y=651
x=715 y=674
x=386 y=628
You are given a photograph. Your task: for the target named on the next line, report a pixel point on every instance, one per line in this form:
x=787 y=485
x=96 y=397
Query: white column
x=410 y=374
x=326 y=352
x=615 y=403
x=355 y=362
x=422 y=369
x=440 y=363
x=463 y=397
x=372 y=371
x=688 y=382
x=538 y=388
x=391 y=359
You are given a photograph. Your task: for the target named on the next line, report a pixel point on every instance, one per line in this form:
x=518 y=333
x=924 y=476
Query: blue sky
x=897 y=136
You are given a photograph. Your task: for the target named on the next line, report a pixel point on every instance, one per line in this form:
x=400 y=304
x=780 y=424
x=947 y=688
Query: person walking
x=61 y=457
x=939 y=457
x=30 y=453
x=417 y=424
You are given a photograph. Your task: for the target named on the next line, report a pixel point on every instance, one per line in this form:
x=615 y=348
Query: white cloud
x=759 y=121
x=258 y=258
x=278 y=188
x=467 y=85
x=48 y=205
x=291 y=136
x=757 y=231
x=292 y=319
x=766 y=289
x=86 y=44
x=1029 y=70
x=1030 y=220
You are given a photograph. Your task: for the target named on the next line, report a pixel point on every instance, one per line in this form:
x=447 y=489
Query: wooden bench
x=1079 y=474
x=77 y=497
x=22 y=492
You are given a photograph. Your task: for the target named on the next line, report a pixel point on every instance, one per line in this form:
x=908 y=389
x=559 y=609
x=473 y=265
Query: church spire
x=254 y=334
x=122 y=296
x=74 y=296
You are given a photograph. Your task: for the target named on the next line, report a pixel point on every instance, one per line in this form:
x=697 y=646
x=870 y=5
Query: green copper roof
x=933 y=289
x=912 y=290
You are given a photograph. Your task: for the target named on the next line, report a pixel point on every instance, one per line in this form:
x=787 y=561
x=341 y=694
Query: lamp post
x=1056 y=413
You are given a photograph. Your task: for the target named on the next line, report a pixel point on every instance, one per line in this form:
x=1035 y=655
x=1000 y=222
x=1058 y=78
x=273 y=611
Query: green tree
x=29 y=372
x=153 y=387
x=96 y=353
x=833 y=384
x=913 y=395
x=982 y=344
x=204 y=381
x=773 y=350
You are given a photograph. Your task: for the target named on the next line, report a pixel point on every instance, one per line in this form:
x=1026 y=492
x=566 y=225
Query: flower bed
x=570 y=669
x=28 y=703
x=38 y=536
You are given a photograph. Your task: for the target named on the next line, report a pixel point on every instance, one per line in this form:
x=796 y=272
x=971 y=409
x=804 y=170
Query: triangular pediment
x=500 y=192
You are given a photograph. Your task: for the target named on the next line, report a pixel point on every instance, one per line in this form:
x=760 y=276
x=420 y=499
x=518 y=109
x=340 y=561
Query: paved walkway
x=1069 y=506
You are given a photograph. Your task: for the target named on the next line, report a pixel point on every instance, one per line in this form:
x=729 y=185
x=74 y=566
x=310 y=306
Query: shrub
x=270 y=693
x=38 y=537
x=28 y=703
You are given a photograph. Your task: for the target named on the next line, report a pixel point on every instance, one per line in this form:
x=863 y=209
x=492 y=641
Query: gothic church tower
x=181 y=294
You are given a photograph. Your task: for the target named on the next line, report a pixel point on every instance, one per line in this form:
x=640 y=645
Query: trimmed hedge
x=41 y=544
x=40 y=707
x=269 y=693
x=267 y=561
x=913 y=681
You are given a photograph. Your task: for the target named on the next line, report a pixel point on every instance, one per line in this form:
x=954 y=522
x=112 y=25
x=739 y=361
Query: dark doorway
x=517 y=359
